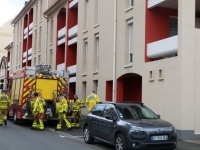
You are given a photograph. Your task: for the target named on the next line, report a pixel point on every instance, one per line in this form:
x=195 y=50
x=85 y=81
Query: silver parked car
x=128 y=126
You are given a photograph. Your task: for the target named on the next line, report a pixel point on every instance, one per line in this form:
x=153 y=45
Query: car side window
x=110 y=111
x=98 y=110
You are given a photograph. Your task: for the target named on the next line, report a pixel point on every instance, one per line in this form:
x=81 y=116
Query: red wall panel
x=109 y=87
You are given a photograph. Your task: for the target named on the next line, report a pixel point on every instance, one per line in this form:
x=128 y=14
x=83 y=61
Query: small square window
x=161 y=74
x=151 y=75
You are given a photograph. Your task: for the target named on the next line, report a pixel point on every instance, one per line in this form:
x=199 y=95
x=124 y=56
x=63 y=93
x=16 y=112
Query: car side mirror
x=158 y=116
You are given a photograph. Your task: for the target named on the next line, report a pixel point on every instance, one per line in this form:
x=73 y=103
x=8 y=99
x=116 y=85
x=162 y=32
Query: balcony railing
x=72 y=70
x=61 y=67
x=72 y=79
x=30 y=52
x=73 y=4
x=61 y=33
x=31 y=26
x=163 y=48
x=24 y=60
x=62 y=41
x=8 y=64
x=24 y=55
x=30 y=57
x=26 y=30
x=73 y=32
x=72 y=41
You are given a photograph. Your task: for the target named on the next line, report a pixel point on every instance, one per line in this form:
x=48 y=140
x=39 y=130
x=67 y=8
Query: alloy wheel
x=119 y=143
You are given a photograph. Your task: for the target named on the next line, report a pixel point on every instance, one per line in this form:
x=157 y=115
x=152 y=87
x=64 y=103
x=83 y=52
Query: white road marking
x=77 y=138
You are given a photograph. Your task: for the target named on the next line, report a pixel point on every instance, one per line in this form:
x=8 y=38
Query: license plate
x=159 y=138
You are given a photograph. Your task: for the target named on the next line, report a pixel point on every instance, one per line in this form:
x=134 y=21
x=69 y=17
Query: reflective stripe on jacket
x=39 y=105
x=92 y=100
x=4 y=101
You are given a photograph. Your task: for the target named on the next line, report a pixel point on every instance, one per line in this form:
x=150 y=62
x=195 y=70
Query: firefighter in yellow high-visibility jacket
x=92 y=100
x=76 y=111
x=63 y=109
x=35 y=124
x=4 y=106
x=38 y=110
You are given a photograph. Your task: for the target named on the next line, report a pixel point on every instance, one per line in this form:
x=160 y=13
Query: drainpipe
x=114 y=52
x=45 y=56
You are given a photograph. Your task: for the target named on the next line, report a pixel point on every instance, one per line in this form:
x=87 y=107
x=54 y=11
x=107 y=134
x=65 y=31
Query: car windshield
x=135 y=112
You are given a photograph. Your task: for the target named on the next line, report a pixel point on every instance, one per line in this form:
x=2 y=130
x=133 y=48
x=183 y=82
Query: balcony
x=30 y=52
x=62 y=41
x=24 y=55
x=26 y=30
x=73 y=3
x=163 y=3
x=72 y=70
x=8 y=64
x=31 y=26
x=72 y=79
x=73 y=32
x=31 y=32
x=61 y=33
x=61 y=67
x=72 y=41
x=30 y=57
x=25 y=36
x=24 y=60
x=163 y=48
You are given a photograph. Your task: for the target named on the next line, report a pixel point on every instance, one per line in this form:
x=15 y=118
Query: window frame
x=130 y=40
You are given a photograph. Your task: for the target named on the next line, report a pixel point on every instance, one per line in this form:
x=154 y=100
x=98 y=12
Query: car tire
x=87 y=135
x=15 y=119
x=120 y=142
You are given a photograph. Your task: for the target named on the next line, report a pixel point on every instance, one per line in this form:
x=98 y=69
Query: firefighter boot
x=59 y=125
x=72 y=122
x=5 y=122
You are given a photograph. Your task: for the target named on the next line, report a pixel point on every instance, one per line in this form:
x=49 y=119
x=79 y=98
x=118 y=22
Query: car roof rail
x=107 y=102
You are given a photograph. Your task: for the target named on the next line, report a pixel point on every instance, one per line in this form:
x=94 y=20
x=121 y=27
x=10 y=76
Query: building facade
x=6 y=37
x=131 y=50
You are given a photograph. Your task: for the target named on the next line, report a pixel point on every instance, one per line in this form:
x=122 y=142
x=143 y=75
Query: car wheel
x=120 y=142
x=87 y=135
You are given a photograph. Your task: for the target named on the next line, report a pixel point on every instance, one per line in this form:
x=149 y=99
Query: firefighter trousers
x=75 y=122
x=35 y=124
x=3 y=112
x=61 y=117
x=41 y=124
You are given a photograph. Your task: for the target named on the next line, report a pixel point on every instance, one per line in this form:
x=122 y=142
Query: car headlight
x=173 y=129
x=137 y=130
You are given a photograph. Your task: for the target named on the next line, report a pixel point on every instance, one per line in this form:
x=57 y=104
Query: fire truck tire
x=15 y=119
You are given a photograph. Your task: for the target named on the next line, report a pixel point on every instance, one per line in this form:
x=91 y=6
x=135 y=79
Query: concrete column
x=186 y=50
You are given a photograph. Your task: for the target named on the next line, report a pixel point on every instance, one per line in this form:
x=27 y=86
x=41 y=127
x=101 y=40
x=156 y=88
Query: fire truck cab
x=24 y=83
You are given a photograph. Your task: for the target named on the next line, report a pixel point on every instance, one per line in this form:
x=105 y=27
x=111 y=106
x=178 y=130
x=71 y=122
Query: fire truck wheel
x=15 y=119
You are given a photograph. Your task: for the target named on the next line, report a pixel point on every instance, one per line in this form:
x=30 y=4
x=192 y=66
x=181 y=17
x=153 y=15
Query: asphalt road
x=21 y=137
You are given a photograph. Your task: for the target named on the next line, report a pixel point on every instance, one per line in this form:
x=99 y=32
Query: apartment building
x=46 y=32
x=6 y=37
x=143 y=50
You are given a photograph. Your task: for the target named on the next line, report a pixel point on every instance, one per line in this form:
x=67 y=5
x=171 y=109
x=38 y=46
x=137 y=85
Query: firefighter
x=92 y=100
x=38 y=110
x=63 y=108
x=35 y=124
x=76 y=111
x=4 y=106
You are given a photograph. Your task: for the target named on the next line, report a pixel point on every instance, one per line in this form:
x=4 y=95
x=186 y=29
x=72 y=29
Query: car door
x=108 y=125
x=95 y=120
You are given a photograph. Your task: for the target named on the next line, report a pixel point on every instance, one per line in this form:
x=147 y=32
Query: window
x=96 y=52
x=17 y=54
x=129 y=3
x=34 y=61
x=35 y=41
x=97 y=10
x=39 y=60
x=84 y=89
x=109 y=111
x=161 y=74
x=86 y=14
x=130 y=40
x=51 y=58
x=98 y=110
x=40 y=37
x=85 y=55
x=41 y=2
x=151 y=75
x=36 y=13
x=51 y=32
x=20 y=51
x=20 y=33
x=17 y=31
x=173 y=26
x=95 y=86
